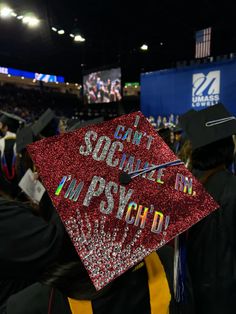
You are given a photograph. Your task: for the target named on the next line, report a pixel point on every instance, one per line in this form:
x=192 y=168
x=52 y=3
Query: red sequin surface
x=108 y=245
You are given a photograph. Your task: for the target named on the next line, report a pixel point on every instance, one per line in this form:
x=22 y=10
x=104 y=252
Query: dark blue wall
x=179 y=90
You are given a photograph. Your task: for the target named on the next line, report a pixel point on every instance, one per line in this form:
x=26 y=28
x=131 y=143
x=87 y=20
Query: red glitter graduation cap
x=120 y=192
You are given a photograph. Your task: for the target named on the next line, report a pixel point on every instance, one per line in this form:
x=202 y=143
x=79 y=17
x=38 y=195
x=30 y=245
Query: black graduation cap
x=24 y=137
x=184 y=119
x=208 y=125
x=46 y=124
x=78 y=124
x=11 y=120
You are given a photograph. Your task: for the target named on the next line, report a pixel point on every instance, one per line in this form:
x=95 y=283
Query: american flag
x=203 y=43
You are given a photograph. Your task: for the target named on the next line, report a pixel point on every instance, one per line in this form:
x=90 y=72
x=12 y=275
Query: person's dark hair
x=12 y=125
x=165 y=135
x=185 y=153
x=213 y=155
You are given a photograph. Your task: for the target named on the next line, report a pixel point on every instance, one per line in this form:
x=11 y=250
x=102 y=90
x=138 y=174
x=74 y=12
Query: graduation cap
x=208 y=125
x=24 y=137
x=46 y=125
x=76 y=124
x=120 y=192
x=11 y=120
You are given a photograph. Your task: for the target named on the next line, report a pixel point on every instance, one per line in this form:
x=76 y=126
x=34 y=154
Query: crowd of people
x=30 y=103
x=40 y=271
x=164 y=121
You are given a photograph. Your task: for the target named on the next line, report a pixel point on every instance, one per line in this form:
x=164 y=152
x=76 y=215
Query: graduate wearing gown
x=27 y=245
x=28 y=242
x=212 y=241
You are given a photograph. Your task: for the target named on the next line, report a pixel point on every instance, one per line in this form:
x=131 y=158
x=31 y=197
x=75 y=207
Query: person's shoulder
x=225 y=178
x=26 y=301
x=231 y=177
x=226 y=175
x=221 y=182
x=6 y=203
x=230 y=184
x=37 y=299
x=13 y=205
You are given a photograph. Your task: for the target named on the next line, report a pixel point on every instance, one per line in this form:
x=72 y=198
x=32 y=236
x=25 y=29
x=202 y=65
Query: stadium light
x=61 y=32
x=13 y=14
x=54 y=29
x=20 y=17
x=31 y=21
x=144 y=47
x=5 y=12
x=25 y=19
x=72 y=35
x=79 y=38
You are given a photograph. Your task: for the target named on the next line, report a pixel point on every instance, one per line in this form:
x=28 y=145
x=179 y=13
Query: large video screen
x=102 y=86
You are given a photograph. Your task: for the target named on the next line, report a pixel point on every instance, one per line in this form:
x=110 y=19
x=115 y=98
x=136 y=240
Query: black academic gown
x=128 y=294
x=27 y=245
x=212 y=250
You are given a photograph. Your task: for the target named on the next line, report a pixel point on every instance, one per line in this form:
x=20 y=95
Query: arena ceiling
x=114 y=32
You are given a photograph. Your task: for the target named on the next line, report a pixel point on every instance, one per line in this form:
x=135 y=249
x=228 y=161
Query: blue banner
x=195 y=87
x=31 y=75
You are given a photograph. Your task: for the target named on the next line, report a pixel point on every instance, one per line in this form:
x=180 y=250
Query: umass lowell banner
x=195 y=87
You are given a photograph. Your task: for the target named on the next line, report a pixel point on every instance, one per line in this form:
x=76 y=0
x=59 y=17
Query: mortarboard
x=76 y=124
x=43 y=124
x=11 y=120
x=120 y=192
x=24 y=137
x=185 y=118
x=208 y=125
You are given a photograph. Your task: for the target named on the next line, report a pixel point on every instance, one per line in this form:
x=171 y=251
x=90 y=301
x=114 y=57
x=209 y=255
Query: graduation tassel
x=9 y=175
x=180 y=268
x=232 y=168
x=5 y=167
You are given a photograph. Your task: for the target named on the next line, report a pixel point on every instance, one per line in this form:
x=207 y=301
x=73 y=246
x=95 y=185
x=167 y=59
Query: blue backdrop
x=179 y=90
